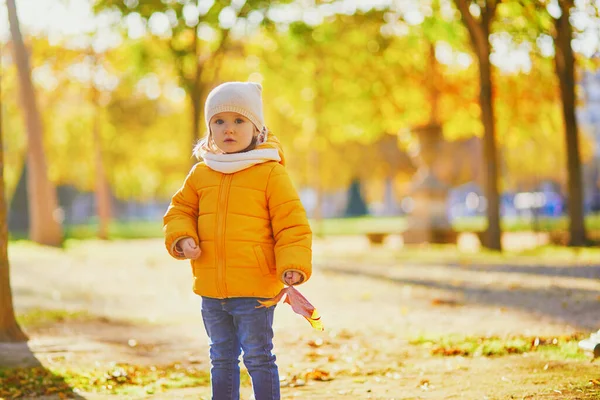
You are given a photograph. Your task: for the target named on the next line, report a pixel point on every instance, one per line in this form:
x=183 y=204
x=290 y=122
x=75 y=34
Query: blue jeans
x=233 y=325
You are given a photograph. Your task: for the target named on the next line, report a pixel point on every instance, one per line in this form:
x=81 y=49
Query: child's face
x=232 y=132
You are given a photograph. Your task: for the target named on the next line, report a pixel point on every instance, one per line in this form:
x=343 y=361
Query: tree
x=479 y=32
x=351 y=81
x=9 y=328
x=356 y=206
x=43 y=226
x=557 y=25
x=565 y=70
x=529 y=139
x=196 y=61
x=102 y=187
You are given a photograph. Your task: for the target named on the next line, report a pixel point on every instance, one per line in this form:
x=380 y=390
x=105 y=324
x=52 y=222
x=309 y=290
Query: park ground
x=118 y=320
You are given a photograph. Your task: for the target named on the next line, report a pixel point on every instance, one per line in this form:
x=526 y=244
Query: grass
x=553 y=348
x=358 y=225
x=585 y=391
x=117 y=230
x=40 y=317
x=36 y=318
x=119 y=379
x=363 y=225
x=551 y=255
x=430 y=254
x=330 y=227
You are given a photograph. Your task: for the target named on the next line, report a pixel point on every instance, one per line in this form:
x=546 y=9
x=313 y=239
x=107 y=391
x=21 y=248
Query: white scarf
x=230 y=163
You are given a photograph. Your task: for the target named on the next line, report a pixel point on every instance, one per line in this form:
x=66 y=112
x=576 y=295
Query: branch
x=476 y=30
x=491 y=7
x=566 y=4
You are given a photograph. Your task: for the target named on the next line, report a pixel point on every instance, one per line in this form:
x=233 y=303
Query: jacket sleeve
x=293 y=237
x=181 y=218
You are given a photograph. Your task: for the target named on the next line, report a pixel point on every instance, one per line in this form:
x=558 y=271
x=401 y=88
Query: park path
x=370 y=311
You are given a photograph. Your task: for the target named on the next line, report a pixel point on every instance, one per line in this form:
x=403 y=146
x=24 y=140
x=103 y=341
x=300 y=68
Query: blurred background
x=420 y=119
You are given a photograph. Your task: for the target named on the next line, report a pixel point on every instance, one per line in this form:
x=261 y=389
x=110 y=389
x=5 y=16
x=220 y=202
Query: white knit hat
x=240 y=97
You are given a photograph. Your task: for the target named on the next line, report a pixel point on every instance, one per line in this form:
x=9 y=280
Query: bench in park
x=433 y=236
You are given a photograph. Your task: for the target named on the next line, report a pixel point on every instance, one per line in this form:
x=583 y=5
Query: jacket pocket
x=262 y=260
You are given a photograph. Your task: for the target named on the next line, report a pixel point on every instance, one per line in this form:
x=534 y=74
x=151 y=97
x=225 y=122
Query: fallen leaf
x=366 y=296
x=313 y=355
x=318 y=375
x=299 y=304
x=424 y=384
x=299 y=382
x=449 y=351
x=444 y=302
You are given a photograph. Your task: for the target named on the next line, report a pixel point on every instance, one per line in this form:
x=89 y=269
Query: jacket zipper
x=221 y=220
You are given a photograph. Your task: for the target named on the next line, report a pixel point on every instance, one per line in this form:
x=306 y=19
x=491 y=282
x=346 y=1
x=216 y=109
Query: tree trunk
x=196 y=114
x=490 y=153
x=314 y=154
x=43 y=226
x=565 y=70
x=196 y=92
x=18 y=206
x=102 y=188
x=432 y=87
x=9 y=329
x=315 y=178
x=479 y=32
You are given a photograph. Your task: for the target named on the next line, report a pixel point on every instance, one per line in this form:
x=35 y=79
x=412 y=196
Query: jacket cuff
x=171 y=242
x=304 y=277
x=176 y=250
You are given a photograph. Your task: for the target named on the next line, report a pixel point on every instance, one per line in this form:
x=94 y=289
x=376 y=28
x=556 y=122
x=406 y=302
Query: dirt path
x=370 y=312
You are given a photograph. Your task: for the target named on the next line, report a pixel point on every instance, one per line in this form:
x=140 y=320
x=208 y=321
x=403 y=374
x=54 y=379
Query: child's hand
x=189 y=248
x=292 y=277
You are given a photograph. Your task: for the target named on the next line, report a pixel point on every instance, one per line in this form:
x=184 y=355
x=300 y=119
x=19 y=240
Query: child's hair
x=205 y=145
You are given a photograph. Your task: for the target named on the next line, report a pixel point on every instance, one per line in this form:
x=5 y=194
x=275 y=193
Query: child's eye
x=239 y=121
x=218 y=121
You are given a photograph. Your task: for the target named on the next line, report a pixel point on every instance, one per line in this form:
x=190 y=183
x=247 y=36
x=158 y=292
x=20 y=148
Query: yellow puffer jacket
x=250 y=224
